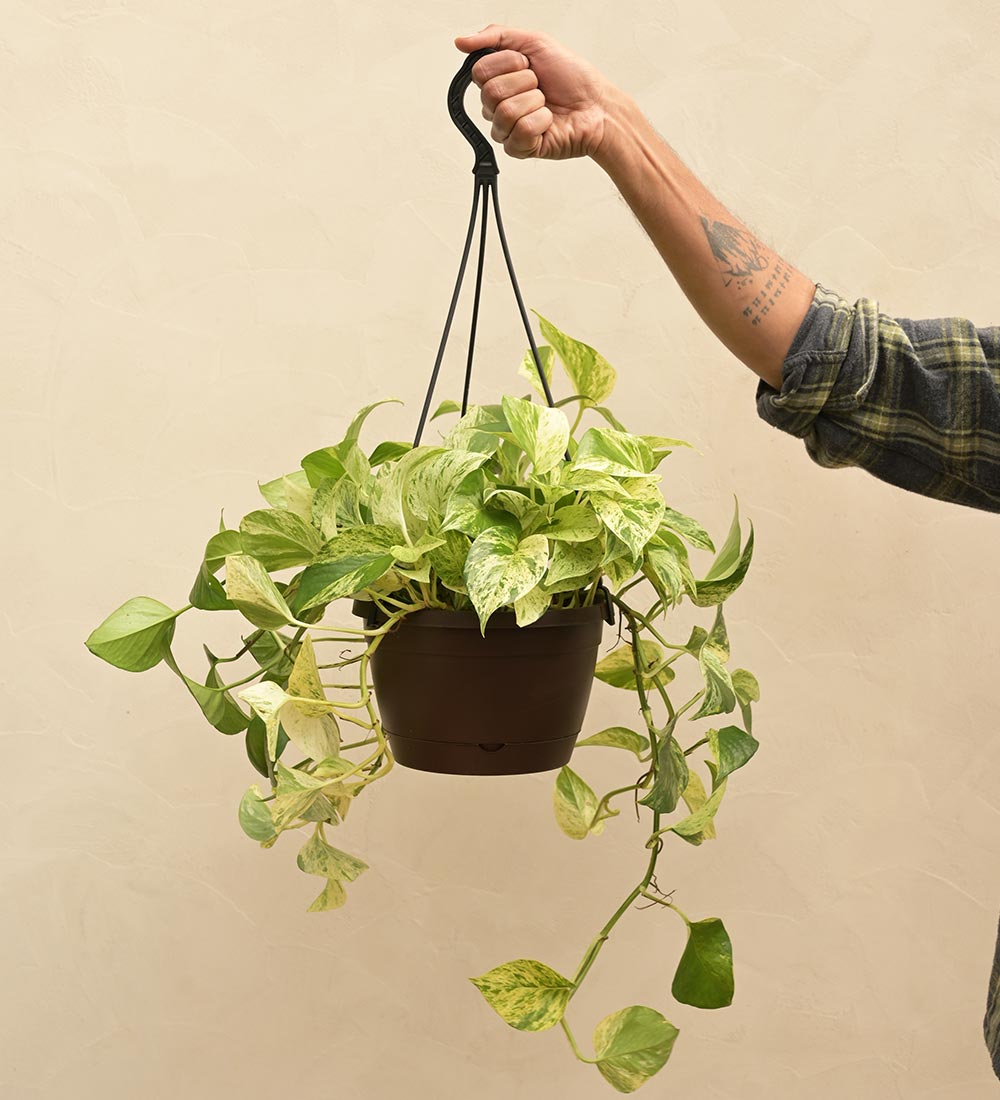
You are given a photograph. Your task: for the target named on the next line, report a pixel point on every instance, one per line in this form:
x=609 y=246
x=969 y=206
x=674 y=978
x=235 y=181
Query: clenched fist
x=542 y=99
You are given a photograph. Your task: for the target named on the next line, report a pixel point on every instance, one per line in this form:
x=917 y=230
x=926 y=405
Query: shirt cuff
x=828 y=368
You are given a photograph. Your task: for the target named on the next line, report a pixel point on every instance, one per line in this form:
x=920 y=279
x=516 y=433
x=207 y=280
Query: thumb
x=500 y=38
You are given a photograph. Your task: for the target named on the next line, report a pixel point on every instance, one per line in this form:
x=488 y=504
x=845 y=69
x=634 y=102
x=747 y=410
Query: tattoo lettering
x=780 y=277
x=736 y=251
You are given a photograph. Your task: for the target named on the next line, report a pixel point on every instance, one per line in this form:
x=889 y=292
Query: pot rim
x=468 y=619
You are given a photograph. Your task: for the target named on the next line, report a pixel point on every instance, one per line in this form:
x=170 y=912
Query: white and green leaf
x=541 y=432
x=500 y=569
x=254 y=593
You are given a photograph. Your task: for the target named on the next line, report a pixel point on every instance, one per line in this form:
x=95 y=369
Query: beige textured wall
x=225 y=226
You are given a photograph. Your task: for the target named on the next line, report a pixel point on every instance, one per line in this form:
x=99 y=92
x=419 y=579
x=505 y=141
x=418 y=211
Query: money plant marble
x=520 y=508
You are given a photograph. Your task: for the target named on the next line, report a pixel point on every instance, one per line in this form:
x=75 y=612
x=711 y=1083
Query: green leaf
x=218 y=707
x=704 y=976
x=357 y=541
x=514 y=502
x=661 y=446
x=292 y=492
x=254 y=594
x=270 y=654
x=448 y=560
x=575 y=804
x=333 y=897
x=691 y=827
x=335 y=504
x=323 y=583
x=446 y=406
x=690 y=528
x=220 y=546
x=267 y=698
x=608 y=451
x=671 y=778
x=430 y=485
x=135 y=636
x=207 y=593
x=529 y=369
x=467 y=512
x=479 y=430
x=732 y=748
x=255 y=817
x=541 y=432
x=308 y=721
x=590 y=481
x=573 y=523
x=665 y=564
x=223 y=711
x=720 y=698
x=256 y=744
x=526 y=994
x=500 y=569
x=728 y=569
x=532 y=606
x=618 y=668
x=633 y=521
x=632 y=1045
x=319 y=858
x=747 y=691
x=618 y=737
x=388 y=452
x=590 y=373
x=322 y=465
x=354 y=429
x=311 y=728
x=387 y=495
x=728 y=556
x=278 y=538
x=745 y=685
x=694 y=798
x=408 y=554
x=574 y=559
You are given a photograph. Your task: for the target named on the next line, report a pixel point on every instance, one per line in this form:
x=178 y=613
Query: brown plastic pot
x=505 y=703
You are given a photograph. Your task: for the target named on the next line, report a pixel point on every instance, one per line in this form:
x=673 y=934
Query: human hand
x=542 y=99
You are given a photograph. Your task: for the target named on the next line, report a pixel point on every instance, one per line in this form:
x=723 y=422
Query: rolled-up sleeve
x=914 y=403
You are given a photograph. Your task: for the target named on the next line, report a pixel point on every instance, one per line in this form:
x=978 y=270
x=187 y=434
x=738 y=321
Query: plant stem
x=357 y=744
x=572 y=1043
x=595 y=947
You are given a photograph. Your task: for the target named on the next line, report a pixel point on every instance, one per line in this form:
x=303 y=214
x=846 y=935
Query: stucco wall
x=226 y=226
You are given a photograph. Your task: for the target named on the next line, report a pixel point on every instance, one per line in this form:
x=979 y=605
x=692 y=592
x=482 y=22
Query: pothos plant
x=519 y=509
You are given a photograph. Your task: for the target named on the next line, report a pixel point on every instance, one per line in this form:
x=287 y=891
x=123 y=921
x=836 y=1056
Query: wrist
x=621 y=122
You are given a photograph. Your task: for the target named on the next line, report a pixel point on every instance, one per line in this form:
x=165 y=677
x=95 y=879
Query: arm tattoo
x=737 y=253
x=739 y=256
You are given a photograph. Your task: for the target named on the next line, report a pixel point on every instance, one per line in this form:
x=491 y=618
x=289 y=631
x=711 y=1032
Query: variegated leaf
x=632 y=1045
x=254 y=593
x=541 y=432
x=500 y=569
x=573 y=523
x=525 y=993
x=589 y=372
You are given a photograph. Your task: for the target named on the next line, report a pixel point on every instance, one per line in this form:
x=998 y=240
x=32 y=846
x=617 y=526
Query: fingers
x=499 y=88
x=500 y=38
x=525 y=136
x=496 y=64
x=509 y=113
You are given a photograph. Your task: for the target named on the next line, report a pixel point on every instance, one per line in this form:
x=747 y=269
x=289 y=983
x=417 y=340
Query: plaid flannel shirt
x=916 y=404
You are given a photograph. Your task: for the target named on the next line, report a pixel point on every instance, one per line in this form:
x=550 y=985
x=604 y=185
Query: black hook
x=486 y=161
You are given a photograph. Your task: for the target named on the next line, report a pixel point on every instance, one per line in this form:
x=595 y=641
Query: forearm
x=752 y=299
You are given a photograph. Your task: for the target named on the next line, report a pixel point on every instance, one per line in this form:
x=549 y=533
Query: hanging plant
x=494 y=519
x=488 y=560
